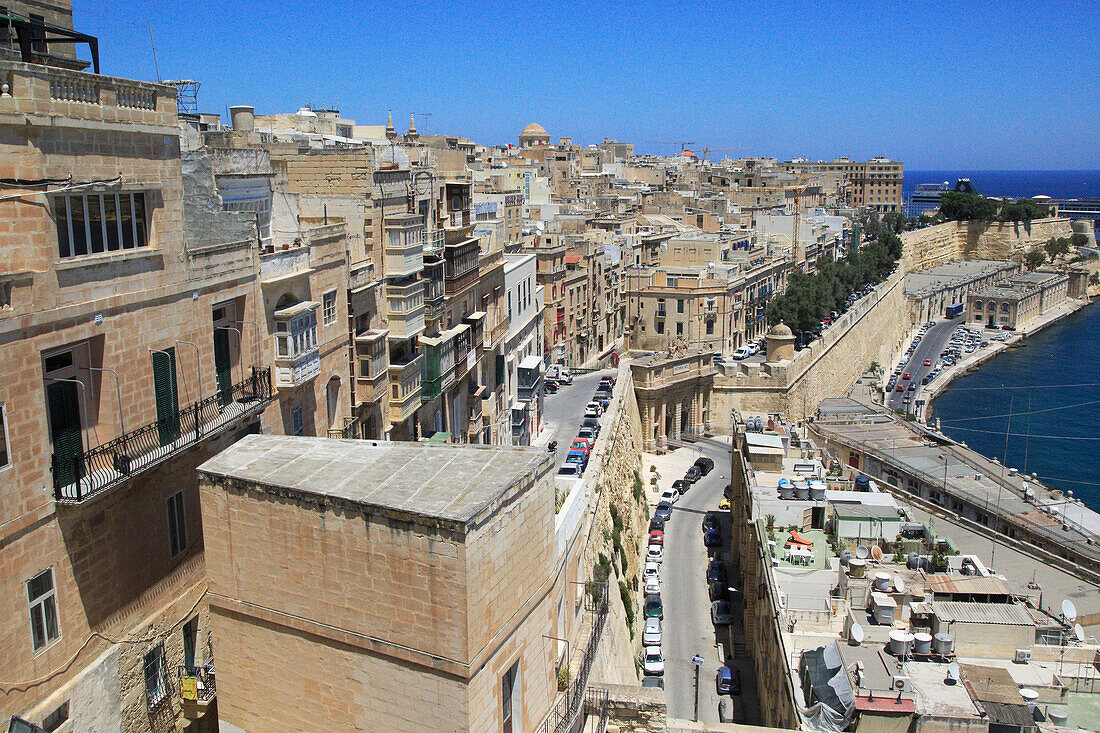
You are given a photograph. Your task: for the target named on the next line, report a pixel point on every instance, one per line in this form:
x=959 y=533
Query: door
x=332 y=397
x=166 y=395
x=223 y=365
x=68 y=445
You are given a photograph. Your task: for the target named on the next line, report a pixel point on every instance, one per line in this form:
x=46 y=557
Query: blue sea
x=1046 y=397
x=1062 y=184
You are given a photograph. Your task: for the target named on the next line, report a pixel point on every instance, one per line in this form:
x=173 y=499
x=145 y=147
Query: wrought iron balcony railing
x=78 y=477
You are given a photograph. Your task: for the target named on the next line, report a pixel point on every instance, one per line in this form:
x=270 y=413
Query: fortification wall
x=978 y=240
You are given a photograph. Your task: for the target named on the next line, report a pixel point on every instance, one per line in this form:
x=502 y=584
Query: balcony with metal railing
x=80 y=477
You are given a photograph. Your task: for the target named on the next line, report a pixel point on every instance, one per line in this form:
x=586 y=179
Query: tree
x=967 y=206
x=1034 y=258
x=1056 y=246
x=1022 y=210
x=1079 y=239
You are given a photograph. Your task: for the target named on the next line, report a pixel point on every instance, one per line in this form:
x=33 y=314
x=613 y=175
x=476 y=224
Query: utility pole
x=697 y=660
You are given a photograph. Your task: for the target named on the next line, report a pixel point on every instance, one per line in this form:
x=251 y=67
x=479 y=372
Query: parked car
x=663 y=511
x=586 y=432
x=693 y=474
x=681 y=486
x=669 y=496
x=724 y=504
x=655 y=553
x=741 y=353
x=592 y=410
x=570 y=470
x=706 y=465
x=653 y=663
x=656 y=537
x=653 y=585
x=550 y=386
x=716 y=572
x=651 y=634
x=656 y=523
x=657 y=683
x=584 y=444
x=906 y=376
x=565 y=376
x=710 y=521
x=721 y=613
x=653 y=607
x=728 y=681
x=593 y=423
x=713 y=538
x=651 y=570
x=578 y=457
x=717 y=591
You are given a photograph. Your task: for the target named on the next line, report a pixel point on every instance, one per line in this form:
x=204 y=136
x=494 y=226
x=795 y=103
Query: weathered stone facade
x=977 y=240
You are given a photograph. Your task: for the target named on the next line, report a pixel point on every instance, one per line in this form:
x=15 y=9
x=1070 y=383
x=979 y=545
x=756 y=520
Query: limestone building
x=127 y=360
x=1014 y=304
x=393 y=586
x=674 y=396
x=534 y=136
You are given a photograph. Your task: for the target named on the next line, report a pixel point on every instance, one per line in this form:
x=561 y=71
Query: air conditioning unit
x=901 y=683
x=1022 y=656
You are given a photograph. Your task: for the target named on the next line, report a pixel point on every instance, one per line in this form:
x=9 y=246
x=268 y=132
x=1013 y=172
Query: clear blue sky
x=938 y=85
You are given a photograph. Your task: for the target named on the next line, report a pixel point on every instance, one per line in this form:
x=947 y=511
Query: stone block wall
x=978 y=240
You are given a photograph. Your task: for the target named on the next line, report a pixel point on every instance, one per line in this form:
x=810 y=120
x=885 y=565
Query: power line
x=1027 y=386
x=1020 y=414
x=1030 y=435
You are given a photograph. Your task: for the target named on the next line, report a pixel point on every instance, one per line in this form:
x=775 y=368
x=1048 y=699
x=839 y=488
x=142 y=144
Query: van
x=741 y=353
x=570 y=469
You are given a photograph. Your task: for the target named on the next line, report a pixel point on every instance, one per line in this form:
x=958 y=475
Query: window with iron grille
x=156 y=676
x=100 y=222
x=43 y=610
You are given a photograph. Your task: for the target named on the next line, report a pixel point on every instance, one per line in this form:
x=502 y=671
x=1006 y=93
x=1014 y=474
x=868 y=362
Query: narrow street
x=563 y=412
x=930 y=346
x=684 y=591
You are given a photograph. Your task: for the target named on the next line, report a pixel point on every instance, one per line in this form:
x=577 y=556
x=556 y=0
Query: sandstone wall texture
x=976 y=240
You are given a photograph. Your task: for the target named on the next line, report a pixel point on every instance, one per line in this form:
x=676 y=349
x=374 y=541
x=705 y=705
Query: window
x=43 y=610
x=297 y=421
x=660 y=326
x=328 y=307
x=5 y=455
x=710 y=328
x=510 y=705
x=680 y=306
x=156 y=679
x=177 y=527
x=100 y=222
x=680 y=329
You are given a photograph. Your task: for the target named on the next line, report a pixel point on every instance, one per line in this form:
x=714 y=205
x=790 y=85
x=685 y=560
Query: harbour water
x=1059 y=184
x=1035 y=407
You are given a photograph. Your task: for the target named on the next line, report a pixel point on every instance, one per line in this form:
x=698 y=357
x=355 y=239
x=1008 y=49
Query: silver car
x=651 y=635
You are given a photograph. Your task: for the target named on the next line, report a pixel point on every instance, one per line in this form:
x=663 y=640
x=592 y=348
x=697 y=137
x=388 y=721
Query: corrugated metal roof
x=970 y=584
x=1009 y=714
x=1002 y=614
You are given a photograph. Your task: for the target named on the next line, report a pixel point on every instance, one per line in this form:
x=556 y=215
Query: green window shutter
x=166 y=395
x=223 y=367
x=68 y=445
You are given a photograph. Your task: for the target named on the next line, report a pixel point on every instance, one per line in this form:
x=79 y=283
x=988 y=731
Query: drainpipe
x=198 y=368
x=118 y=395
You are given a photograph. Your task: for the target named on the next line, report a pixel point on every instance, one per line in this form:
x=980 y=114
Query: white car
x=753 y=348
x=651 y=635
x=565 y=377
x=670 y=495
x=653 y=586
x=741 y=353
x=593 y=407
x=652 y=571
x=655 y=553
x=653 y=662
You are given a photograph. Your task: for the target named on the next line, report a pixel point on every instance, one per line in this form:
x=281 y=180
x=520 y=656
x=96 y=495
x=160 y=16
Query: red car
x=928 y=362
x=900 y=388
x=656 y=537
x=905 y=376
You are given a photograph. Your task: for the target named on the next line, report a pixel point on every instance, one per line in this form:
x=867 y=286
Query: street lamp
x=697 y=661
x=558 y=638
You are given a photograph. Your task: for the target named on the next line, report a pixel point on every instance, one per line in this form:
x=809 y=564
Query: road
x=564 y=410
x=930 y=347
x=687 y=626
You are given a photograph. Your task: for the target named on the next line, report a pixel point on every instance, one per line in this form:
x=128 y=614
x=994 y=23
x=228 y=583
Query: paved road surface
x=564 y=411
x=930 y=346
x=687 y=626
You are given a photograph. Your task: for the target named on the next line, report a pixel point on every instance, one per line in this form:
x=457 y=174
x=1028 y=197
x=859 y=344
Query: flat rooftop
x=952 y=274
x=449 y=482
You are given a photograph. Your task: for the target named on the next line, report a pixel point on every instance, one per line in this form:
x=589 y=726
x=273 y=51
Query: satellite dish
x=1079 y=632
x=876 y=553
x=845 y=557
x=899 y=584
x=912 y=561
x=952 y=673
x=856 y=635
x=1069 y=611
x=861 y=552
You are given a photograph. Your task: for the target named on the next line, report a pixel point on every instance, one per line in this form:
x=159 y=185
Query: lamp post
x=697 y=662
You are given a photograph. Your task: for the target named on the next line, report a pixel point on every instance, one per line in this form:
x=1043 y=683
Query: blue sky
x=937 y=85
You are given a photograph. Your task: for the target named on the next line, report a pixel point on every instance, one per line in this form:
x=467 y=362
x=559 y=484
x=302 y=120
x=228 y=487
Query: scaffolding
x=187 y=95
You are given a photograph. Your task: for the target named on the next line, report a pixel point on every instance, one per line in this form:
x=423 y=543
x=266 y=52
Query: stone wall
x=635 y=709
x=870 y=331
x=978 y=240
x=613 y=485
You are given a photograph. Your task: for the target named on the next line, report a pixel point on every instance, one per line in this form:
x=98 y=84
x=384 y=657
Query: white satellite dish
x=1069 y=611
x=856 y=635
x=952 y=673
x=862 y=552
x=899 y=584
x=1079 y=632
x=876 y=553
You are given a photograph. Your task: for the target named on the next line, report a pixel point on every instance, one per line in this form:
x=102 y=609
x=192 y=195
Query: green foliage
x=1034 y=258
x=939 y=558
x=769 y=521
x=563 y=675
x=809 y=298
x=959 y=206
x=616 y=518
x=559 y=499
x=1056 y=246
x=929 y=218
x=1021 y=210
x=639 y=488
x=1079 y=239
x=1094 y=278
x=603 y=569
x=628 y=605
x=875 y=367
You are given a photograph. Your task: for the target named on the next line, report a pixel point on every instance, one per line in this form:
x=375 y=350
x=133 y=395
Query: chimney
x=243 y=117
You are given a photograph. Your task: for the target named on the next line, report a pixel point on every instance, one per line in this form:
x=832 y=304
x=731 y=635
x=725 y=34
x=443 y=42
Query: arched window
x=977 y=305
x=1004 y=307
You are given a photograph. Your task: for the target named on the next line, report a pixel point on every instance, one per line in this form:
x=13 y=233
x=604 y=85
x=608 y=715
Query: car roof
x=724 y=673
x=653 y=621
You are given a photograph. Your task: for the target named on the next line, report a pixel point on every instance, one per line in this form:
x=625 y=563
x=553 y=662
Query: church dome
x=780 y=329
x=534 y=130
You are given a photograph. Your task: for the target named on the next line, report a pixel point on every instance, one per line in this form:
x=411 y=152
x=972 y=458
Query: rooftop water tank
x=857 y=567
x=802 y=489
x=901 y=643
x=922 y=643
x=817 y=490
x=881 y=582
x=863 y=483
x=943 y=644
x=1058 y=716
